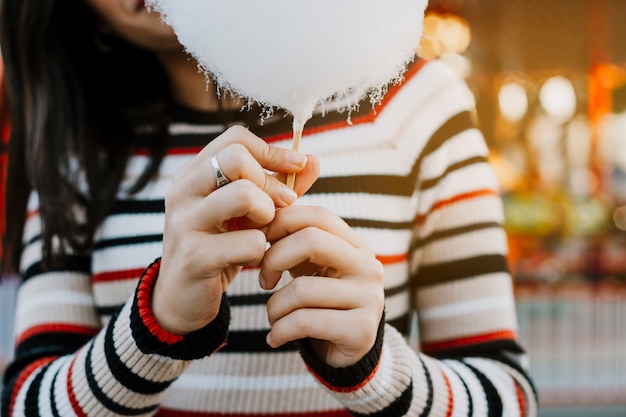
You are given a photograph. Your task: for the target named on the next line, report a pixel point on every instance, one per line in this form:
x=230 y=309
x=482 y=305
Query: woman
x=152 y=240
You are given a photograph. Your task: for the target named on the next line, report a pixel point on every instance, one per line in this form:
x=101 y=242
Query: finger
x=309 y=245
x=315 y=292
x=206 y=255
x=335 y=326
x=230 y=148
x=241 y=199
x=269 y=157
x=292 y=219
x=306 y=177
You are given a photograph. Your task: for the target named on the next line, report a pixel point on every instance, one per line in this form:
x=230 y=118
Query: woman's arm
x=67 y=363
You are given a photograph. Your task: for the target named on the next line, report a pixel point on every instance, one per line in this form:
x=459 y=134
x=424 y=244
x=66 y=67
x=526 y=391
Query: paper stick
x=295 y=145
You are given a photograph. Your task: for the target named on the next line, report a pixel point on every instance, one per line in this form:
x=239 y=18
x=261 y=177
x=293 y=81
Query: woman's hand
x=202 y=251
x=337 y=296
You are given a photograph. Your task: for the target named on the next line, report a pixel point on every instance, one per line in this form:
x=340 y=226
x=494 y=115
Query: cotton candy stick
x=295 y=145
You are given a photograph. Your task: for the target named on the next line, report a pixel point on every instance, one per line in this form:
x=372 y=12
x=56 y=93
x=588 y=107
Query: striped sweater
x=411 y=175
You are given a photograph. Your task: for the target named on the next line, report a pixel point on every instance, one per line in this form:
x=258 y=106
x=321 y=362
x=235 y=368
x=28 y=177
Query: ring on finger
x=220 y=179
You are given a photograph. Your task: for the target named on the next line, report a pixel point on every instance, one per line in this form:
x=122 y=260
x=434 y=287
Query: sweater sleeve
x=469 y=362
x=66 y=363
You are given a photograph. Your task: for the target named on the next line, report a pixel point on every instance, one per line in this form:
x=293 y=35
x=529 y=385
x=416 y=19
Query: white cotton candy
x=299 y=54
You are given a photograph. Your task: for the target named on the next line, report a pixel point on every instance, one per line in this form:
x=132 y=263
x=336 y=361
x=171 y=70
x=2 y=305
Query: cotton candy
x=299 y=55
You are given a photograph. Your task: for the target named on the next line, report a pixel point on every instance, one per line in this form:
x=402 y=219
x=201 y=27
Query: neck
x=190 y=87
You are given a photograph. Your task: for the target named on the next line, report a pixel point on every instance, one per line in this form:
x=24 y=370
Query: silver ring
x=220 y=178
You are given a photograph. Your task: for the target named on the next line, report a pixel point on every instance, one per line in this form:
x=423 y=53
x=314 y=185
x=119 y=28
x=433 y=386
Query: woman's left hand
x=337 y=296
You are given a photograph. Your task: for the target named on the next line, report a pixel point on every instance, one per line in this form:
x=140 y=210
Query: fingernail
x=262 y=282
x=287 y=195
x=297 y=159
x=268 y=339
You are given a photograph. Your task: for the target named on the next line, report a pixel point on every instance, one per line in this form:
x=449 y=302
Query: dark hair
x=73 y=109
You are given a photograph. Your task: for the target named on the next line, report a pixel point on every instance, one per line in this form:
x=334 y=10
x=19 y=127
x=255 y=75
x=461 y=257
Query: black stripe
x=252 y=341
x=31 y=402
x=131 y=240
x=429 y=386
x=463 y=268
x=433 y=182
x=493 y=350
x=456 y=231
x=138 y=207
x=249 y=299
x=377 y=224
x=68 y=263
x=53 y=403
x=123 y=374
x=104 y=399
x=494 y=402
x=51 y=344
x=402 y=323
x=369 y=184
x=456 y=124
x=108 y=310
x=398 y=289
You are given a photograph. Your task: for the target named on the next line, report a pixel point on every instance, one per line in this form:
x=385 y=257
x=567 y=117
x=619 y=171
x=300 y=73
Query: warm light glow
x=558 y=98
x=619 y=217
x=444 y=34
x=513 y=101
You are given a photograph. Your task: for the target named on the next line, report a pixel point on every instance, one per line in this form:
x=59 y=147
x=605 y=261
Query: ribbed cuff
x=350 y=378
x=152 y=338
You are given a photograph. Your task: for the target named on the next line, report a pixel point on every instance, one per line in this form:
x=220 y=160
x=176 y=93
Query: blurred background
x=549 y=80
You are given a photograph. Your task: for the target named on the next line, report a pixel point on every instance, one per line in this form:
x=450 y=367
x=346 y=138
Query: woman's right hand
x=202 y=252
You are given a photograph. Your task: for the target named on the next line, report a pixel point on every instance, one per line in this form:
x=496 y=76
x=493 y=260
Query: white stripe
x=479 y=242
x=477 y=394
x=397 y=305
x=465 y=145
x=479 y=176
x=502 y=382
x=244 y=383
x=466 y=307
x=387 y=242
x=364 y=206
x=114 y=293
x=482 y=209
x=461 y=400
x=46 y=385
x=36 y=301
x=117 y=258
x=184 y=128
x=131 y=225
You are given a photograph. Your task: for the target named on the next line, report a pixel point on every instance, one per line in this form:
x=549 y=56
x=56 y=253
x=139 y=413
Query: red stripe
x=56 y=328
x=366 y=118
x=118 y=275
x=24 y=375
x=456 y=199
x=450 y=395
x=521 y=399
x=392 y=259
x=32 y=213
x=72 y=396
x=180 y=413
x=172 y=151
x=469 y=341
